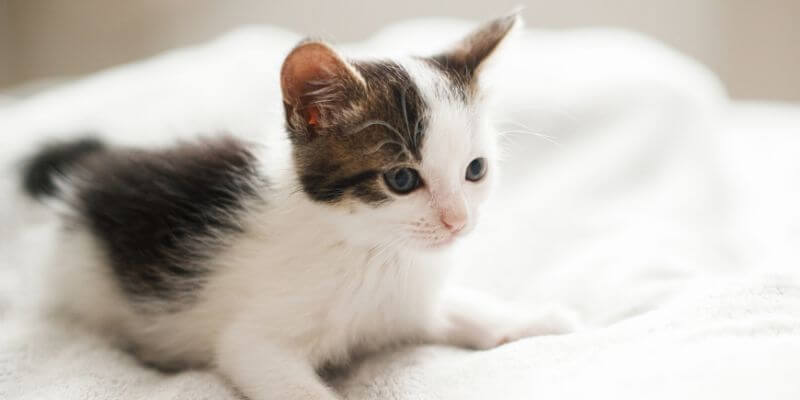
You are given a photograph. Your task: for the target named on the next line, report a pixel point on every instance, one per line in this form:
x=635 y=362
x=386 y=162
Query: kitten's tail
x=54 y=161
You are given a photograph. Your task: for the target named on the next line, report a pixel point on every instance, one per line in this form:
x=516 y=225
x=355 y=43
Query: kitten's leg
x=265 y=371
x=473 y=320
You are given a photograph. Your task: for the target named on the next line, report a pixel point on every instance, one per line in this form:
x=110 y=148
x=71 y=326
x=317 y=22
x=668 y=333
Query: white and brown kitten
x=209 y=255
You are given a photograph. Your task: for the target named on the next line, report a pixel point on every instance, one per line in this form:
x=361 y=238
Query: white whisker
x=547 y=138
x=373 y=122
x=382 y=143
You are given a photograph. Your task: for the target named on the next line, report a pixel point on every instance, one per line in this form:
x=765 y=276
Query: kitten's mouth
x=438 y=240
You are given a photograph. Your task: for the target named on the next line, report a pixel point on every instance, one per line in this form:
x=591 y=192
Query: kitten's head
x=400 y=150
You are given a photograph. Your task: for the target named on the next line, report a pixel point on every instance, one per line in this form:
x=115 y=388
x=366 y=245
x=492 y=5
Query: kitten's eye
x=476 y=169
x=402 y=180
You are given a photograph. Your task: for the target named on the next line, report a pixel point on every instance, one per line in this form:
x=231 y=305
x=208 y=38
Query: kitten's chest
x=387 y=302
x=329 y=299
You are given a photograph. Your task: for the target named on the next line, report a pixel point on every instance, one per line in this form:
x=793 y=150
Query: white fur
x=310 y=285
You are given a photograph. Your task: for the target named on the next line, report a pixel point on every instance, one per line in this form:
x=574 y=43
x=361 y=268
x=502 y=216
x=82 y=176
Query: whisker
x=517 y=124
x=527 y=133
x=382 y=143
x=373 y=122
x=405 y=111
x=399 y=155
x=417 y=131
x=530 y=133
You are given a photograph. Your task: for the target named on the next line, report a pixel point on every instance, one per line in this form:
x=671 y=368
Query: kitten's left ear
x=466 y=57
x=317 y=84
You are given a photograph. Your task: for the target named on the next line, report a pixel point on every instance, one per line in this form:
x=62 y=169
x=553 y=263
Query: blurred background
x=754 y=46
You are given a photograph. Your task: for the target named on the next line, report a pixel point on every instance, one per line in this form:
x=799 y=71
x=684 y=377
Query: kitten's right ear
x=317 y=84
x=465 y=58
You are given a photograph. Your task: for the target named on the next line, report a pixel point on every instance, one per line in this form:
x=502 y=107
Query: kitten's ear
x=465 y=58
x=317 y=83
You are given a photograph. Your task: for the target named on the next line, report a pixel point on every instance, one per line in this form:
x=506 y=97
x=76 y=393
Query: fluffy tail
x=42 y=170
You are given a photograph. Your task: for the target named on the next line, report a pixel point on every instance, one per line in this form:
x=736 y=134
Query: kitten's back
x=156 y=216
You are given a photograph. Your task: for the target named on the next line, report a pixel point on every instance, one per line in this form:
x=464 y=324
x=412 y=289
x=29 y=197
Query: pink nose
x=453 y=221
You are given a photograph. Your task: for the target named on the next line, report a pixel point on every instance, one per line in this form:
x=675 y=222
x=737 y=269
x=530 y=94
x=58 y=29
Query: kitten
x=210 y=254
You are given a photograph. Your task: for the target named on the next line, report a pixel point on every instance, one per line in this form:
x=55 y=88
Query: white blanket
x=660 y=212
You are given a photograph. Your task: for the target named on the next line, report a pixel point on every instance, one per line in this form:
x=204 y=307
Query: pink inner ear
x=310 y=62
x=312 y=116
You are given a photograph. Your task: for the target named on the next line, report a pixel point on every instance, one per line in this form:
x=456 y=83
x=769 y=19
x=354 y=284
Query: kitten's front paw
x=555 y=321
x=473 y=320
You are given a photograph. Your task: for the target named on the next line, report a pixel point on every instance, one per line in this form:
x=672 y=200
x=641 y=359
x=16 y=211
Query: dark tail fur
x=40 y=171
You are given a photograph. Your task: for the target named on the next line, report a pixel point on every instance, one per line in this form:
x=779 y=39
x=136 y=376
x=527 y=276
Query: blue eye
x=476 y=169
x=402 y=180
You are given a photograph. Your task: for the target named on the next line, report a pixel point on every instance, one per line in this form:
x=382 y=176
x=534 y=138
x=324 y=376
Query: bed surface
x=664 y=214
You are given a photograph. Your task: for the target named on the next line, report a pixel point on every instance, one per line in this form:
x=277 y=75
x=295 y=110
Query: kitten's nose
x=454 y=220
x=452 y=206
